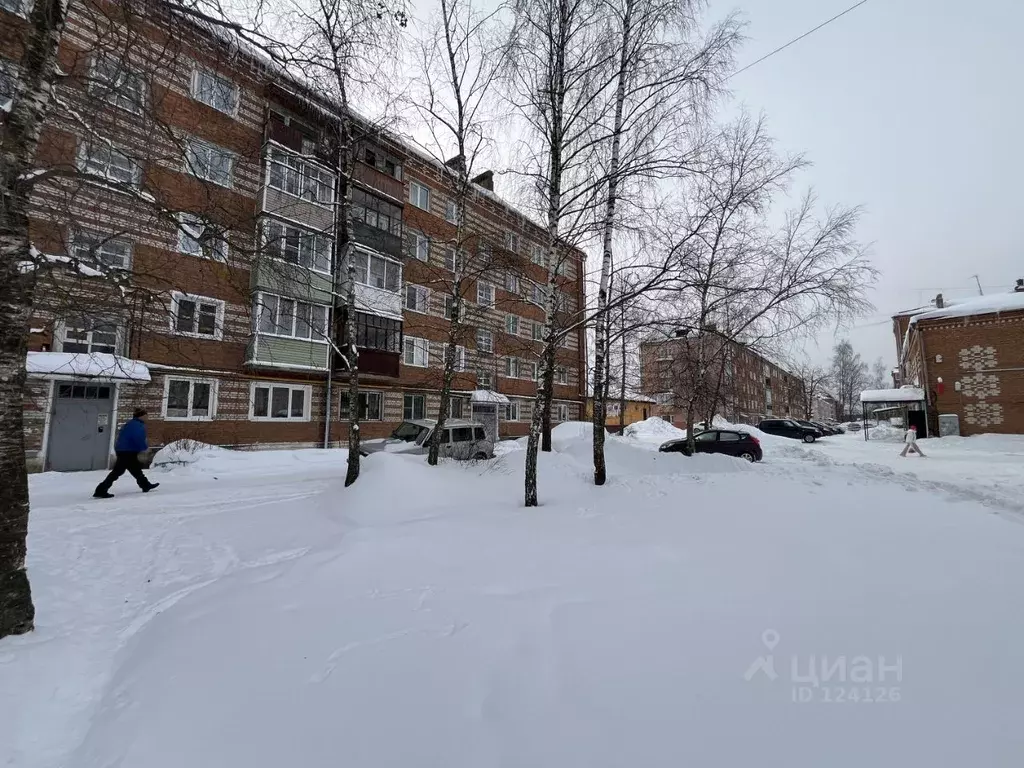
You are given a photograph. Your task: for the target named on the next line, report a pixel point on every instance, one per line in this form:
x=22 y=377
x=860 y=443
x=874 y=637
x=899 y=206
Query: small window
x=420 y=246
x=449 y=259
x=451 y=212
x=209 y=162
x=479 y=433
x=416 y=297
x=538 y=294
x=484 y=379
x=706 y=437
x=446 y=437
x=512 y=367
x=280 y=402
x=512 y=411
x=561 y=375
x=416 y=352
x=414 y=407
x=370 y=406
x=456 y=407
x=89 y=336
x=196 y=315
x=8 y=73
x=512 y=324
x=511 y=282
x=484 y=341
x=537 y=255
x=215 y=91
x=462 y=435
x=298 y=246
x=189 y=399
x=485 y=294
x=512 y=242
x=101 y=159
x=561 y=412
x=198 y=237
x=419 y=195
x=537 y=331
x=728 y=437
x=460 y=359
x=115 y=84
x=92 y=248
x=528 y=370
x=449 y=307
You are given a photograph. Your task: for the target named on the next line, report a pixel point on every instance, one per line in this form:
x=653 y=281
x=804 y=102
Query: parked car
x=461 y=439
x=854 y=426
x=728 y=441
x=812 y=425
x=826 y=428
x=789 y=428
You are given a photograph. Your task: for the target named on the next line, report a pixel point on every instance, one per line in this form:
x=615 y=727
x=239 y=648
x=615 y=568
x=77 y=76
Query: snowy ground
x=252 y=612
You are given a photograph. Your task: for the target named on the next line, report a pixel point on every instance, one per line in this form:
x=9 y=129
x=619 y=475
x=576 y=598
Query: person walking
x=910 y=442
x=131 y=441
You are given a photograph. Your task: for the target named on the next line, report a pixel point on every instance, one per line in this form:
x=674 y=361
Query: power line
x=798 y=39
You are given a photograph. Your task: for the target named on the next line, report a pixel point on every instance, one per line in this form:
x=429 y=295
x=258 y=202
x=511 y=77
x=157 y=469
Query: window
x=291 y=174
x=527 y=370
x=14 y=6
x=449 y=259
x=511 y=282
x=416 y=297
x=537 y=331
x=93 y=248
x=537 y=294
x=728 y=437
x=512 y=242
x=113 y=83
x=484 y=340
x=561 y=267
x=706 y=437
x=196 y=315
x=377 y=272
x=484 y=379
x=512 y=367
x=416 y=352
x=484 y=254
x=462 y=435
x=460 y=358
x=419 y=195
x=198 y=237
x=89 y=336
x=561 y=375
x=377 y=159
x=456 y=407
x=371 y=406
x=512 y=411
x=451 y=212
x=101 y=159
x=281 y=316
x=215 y=91
x=377 y=332
x=561 y=412
x=209 y=162
x=280 y=402
x=485 y=294
x=8 y=76
x=298 y=246
x=449 y=307
x=414 y=407
x=189 y=399
x=512 y=324
x=537 y=255
x=567 y=341
x=376 y=212
x=420 y=246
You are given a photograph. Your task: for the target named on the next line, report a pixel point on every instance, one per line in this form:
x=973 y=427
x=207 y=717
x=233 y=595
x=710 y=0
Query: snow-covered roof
x=980 y=305
x=86 y=365
x=901 y=395
x=487 y=396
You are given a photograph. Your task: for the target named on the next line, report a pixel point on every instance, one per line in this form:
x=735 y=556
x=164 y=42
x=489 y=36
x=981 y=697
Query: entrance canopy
x=487 y=396
x=901 y=395
x=87 y=365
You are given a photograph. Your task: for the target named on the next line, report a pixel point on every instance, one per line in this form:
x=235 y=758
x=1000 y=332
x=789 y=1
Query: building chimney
x=1019 y=287
x=457 y=163
x=485 y=180
x=939 y=303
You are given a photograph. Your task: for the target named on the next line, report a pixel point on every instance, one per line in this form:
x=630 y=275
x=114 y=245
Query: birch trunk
x=345 y=162
x=450 y=350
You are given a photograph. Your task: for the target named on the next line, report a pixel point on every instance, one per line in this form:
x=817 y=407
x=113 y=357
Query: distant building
x=968 y=356
x=638 y=408
x=824 y=408
x=741 y=385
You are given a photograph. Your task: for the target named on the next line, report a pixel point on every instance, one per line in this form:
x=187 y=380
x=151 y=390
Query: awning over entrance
x=487 y=396
x=88 y=365
x=901 y=395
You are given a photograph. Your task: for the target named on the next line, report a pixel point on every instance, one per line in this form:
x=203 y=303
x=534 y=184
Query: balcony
x=377 y=239
x=377 y=301
x=379 y=180
x=378 y=363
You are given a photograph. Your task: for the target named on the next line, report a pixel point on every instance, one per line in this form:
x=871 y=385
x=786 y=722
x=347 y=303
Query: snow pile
x=981 y=305
x=887 y=432
x=183 y=452
x=86 y=364
x=503 y=447
x=654 y=431
x=901 y=395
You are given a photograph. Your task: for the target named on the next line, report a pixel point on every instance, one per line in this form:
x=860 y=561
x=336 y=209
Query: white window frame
x=419 y=195
x=537 y=296
x=537 y=255
x=97 y=242
x=512 y=367
x=530 y=365
x=311 y=179
x=484 y=341
x=561 y=374
x=417 y=344
x=512 y=283
x=194 y=161
x=422 y=292
x=512 y=241
x=451 y=212
x=420 y=246
x=216 y=246
x=380 y=399
x=414 y=395
x=450 y=259
x=483 y=286
x=394 y=263
x=113 y=92
x=87 y=154
x=198 y=96
x=484 y=379
x=318 y=336
x=513 y=411
x=460 y=359
x=561 y=411
x=218 y=334
x=192 y=380
x=61 y=335
x=307 y=389
x=511 y=320
x=536 y=331
x=309 y=239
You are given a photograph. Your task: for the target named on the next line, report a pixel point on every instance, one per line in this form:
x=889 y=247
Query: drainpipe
x=927 y=388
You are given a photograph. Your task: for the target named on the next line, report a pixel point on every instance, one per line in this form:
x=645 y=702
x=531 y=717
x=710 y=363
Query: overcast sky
x=911 y=108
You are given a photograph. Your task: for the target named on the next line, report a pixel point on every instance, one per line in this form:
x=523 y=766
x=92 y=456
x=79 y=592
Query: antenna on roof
x=980 y=292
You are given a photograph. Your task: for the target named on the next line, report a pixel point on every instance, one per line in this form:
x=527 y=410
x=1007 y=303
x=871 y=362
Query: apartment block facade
x=195 y=270
x=741 y=385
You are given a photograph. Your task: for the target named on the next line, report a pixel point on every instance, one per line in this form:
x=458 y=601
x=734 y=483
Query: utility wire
x=798 y=39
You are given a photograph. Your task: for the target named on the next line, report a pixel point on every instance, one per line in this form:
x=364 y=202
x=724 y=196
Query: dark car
x=727 y=441
x=819 y=428
x=789 y=428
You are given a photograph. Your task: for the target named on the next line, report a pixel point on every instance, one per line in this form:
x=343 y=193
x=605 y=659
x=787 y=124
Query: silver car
x=462 y=439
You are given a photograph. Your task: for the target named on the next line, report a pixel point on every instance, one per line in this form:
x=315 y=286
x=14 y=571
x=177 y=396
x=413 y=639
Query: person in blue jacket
x=131 y=441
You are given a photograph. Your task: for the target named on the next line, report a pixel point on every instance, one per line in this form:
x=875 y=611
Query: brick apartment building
x=968 y=356
x=224 y=318
x=746 y=386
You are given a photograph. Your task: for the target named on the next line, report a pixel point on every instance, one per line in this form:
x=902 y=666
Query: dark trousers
x=127 y=461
